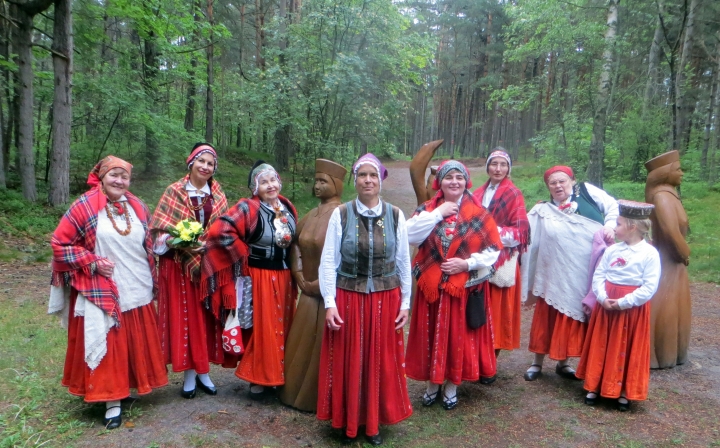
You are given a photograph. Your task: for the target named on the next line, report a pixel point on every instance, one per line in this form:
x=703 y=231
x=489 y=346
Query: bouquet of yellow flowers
x=186 y=233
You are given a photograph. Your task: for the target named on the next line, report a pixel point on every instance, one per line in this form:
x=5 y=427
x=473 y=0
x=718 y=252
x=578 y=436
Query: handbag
x=475 y=308
x=232 y=336
x=243 y=288
x=504 y=276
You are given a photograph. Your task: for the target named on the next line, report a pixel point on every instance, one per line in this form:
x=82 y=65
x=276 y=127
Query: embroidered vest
x=367 y=250
x=264 y=253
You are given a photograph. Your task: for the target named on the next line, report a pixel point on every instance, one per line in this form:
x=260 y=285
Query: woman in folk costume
x=302 y=359
x=102 y=287
x=671 y=310
x=615 y=362
x=190 y=333
x=562 y=232
x=253 y=240
x=365 y=282
x=506 y=204
x=458 y=244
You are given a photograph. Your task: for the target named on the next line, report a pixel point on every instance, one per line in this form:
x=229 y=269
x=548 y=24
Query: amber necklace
x=200 y=206
x=124 y=211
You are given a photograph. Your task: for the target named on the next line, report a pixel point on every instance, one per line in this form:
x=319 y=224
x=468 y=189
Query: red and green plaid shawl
x=475 y=231
x=172 y=208
x=508 y=209
x=73 y=244
x=227 y=251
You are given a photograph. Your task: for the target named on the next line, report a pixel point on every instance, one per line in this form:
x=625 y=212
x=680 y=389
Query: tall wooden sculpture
x=670 y=307
x=418 y=168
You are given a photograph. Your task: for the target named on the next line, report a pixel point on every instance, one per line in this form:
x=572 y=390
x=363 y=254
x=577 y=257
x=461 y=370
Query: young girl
x=615 y=360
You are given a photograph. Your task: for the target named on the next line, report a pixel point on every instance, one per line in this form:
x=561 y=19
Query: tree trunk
x=681 y=123
x=597 y=143
x=209 y=108
x=282 y=133
x=150 y=69
x=712 y=107
x=192 y=81
x=62 y=46
x=259 y=34
x=653 y=64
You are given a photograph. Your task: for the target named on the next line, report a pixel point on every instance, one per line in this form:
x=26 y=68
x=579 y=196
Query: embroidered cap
x=498 y=152
x=448 y=166
x=635 y=210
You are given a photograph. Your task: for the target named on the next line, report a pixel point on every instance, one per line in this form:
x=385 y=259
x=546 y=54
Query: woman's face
x=453 y=185
x=675 y=175
x=367 y=182
x=560 y=186
x=324 y=187
x=203 y=168
x=116 y=183
x=268 y=187
x=498 y=169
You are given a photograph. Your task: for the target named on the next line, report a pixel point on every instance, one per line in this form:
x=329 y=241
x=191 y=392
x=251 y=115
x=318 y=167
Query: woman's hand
x=105 y=267
x=586 y=309
x=332 y=318
x=608 y=235
x=448 y=209
x=198 y=249
x=401 y=319
x=454 y=266
x=611 y=304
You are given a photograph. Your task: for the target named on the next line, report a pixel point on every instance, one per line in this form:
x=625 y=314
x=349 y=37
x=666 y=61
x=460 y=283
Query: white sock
x=112 y=409
x=591 y=395
x=189 y=380
x=563 y=363
x=431 y=389
x=255 y=389
x=450 y=392
x=205 y=379
x=539 y=361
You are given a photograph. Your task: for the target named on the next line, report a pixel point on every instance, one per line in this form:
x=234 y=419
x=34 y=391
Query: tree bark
x=150 y=69
x=681 y=123
x=712 y=108
x=192 y=81
x=209 y=107
x=62 y=46
x=653 y=64
x=597 y=143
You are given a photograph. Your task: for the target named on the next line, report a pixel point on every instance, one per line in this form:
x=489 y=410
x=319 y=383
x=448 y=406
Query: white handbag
x=504 y=276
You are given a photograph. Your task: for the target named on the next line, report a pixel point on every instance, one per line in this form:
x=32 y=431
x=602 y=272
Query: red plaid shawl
x=73 y=244
x=475 y=231
x=508 y=209
x=227 y=252
x=172 y=208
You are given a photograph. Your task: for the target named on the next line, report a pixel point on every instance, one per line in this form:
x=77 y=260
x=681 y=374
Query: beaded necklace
x=125 y=212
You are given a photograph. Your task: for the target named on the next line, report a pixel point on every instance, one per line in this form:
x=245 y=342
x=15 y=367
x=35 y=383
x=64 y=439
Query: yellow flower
x=186 y=235
x=180 y=226
x=196 y=227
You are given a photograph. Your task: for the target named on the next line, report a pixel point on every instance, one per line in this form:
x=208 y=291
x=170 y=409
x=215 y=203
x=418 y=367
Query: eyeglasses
x=499 y=165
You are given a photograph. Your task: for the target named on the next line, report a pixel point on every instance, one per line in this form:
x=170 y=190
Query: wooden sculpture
x=418 y=167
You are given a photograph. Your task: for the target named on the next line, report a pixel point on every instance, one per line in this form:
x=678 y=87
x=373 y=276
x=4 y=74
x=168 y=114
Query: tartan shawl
x=475 y=231
x=226 y=257
x=172 y=208
x=73 y=245
x=508 y=209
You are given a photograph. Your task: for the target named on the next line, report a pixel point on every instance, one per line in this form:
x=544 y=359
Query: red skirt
x=616 y=355
x=191 y=336
x=133 y=358
x=442 y=347
x=555 y=334
x=505 y=306
x=274 y=294
x=362 y=365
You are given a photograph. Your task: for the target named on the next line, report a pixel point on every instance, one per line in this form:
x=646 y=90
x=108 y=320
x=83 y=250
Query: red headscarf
x=105 y=165
x=197 y=152
x=559 y=168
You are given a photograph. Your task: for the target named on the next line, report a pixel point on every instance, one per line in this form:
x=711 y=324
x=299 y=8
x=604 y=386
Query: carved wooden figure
x=418 y=167
x=670 y=306
x=302 y=353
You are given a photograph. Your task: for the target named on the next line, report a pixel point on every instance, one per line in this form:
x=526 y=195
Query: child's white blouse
x=636 y=265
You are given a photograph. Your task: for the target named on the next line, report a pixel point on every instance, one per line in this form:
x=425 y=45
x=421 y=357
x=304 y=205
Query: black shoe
x=488 y=380
x=623 y=407
x=450 y=403
x=207 y=389
x=375 y=440
x=429 y=399
x=532 y=376
x=114 y=422
x=189 y=394
x=257 y=396
x=590 y=401
x=346 y=439
x=566 y=372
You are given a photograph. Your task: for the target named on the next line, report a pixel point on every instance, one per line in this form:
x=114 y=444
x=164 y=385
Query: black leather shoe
x=488 y=380
x=429 y=399
x=532 y=376
x=566 y=372
x=189 y=394
x=258 y=396
x=375 y=440
x=450 y=403
x=623 y=406
x=114 y=422
x=590 y=401
x=346 y=439
x=207 y=389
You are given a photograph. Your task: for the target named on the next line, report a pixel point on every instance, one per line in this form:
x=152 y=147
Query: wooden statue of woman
x=670 y=307
x=302 y=352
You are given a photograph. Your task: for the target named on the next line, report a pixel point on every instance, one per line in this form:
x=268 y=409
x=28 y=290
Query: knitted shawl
x=173 y=208
x=475 y=231
x=73 y=245
x=226 y=257
x=507 y=207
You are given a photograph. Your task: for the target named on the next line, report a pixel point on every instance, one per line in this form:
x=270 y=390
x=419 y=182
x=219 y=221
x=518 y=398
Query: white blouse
x=636 y=265
x=330 y=259
x=607 y=204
